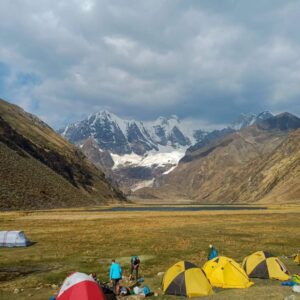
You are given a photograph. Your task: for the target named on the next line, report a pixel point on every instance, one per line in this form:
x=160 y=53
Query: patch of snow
x=169 y=148
x=127 y=159
x=65 y=131
x=153 y=158
x=143 y=184
x=170 y=170
x=122 y=124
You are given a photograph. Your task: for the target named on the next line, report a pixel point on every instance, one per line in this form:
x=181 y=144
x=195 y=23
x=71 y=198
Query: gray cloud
x=209 y=60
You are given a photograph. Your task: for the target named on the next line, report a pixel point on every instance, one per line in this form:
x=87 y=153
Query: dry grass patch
x=68 y=241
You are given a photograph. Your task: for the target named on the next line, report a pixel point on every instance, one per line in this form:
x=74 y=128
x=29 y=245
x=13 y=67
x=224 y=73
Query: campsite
x=70 y=240
x=149 y=150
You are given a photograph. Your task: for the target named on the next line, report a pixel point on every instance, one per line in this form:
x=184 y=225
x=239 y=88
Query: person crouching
x=134 y=266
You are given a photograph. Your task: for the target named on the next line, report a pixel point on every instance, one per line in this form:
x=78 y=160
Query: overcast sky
x=209 y=60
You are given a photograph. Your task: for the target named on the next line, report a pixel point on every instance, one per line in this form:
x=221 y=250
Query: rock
x=155 y=294
x=54 y=286
x=160 y=274
x=16 y=291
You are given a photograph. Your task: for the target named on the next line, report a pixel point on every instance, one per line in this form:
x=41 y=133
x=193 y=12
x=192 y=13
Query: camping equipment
x=296 y=278
x=264 y=265
x=138 y=290
x=124 y=291
x=13 y=239
x=185 y=279
x=224 y=272
x=296 y=288
x=146 y=290
x=80 y=286
x=288 y=283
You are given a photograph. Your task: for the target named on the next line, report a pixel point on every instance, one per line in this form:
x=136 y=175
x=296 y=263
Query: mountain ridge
x=219 y=171
x=152 y=141
x=27 y=141
x=121 y=136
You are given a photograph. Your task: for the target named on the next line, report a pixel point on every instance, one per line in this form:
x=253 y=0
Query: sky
x=200 y=60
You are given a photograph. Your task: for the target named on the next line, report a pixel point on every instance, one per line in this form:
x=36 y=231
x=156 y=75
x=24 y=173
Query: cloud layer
x=209 y=60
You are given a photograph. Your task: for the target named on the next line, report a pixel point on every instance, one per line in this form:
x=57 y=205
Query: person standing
x=115 y=275
x=134 y=265
x=212 y=252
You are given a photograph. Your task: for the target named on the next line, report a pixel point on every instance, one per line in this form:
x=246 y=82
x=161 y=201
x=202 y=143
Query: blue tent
x=13 y=239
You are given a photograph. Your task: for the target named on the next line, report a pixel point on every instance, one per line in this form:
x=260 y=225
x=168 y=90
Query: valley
x=166 y=159
x=69 y=240
x=136 y=154
x=160 y=132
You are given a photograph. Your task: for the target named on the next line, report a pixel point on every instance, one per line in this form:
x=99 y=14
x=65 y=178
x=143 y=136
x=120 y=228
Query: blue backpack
x=146 y=290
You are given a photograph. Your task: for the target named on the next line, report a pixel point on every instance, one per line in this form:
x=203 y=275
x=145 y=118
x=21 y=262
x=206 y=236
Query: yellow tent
x=264 y=265
x=185 y=279
x=297 y=258
x=224 y=272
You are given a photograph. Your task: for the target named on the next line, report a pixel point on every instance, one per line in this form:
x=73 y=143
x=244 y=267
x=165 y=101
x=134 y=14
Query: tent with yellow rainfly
x=264 y=265
x=297 y=258
x=224 y=272
x=185 y=279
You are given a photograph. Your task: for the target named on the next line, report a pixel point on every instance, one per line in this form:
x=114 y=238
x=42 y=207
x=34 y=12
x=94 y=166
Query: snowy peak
x=245 y=120
x=106 y=128
x=122 y=136
x=168 y=132
x=166 y=122
x=264 y=115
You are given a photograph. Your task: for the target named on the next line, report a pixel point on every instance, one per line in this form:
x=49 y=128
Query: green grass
x=80 y=241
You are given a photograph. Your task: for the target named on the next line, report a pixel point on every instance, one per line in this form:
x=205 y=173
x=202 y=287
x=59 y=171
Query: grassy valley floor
x=78 y=240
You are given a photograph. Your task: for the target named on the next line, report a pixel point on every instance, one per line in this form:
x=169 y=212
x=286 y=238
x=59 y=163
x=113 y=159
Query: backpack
x=296 y=278
x=146 y=290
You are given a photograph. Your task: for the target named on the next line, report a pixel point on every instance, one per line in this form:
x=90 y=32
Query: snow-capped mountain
x=133 y=153
x=122 y=137
x=245 y=120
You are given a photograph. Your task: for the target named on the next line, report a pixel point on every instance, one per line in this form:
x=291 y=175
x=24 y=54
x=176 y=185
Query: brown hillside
x=246 y=166
x=40 y=169
x=276 y=178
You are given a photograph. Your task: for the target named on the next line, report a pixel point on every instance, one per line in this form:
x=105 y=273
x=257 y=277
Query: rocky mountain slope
x=275 y=178
x=134 y=153
x=121 y=136
x=246 y=120
x=40 y=169
x=245 y=166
